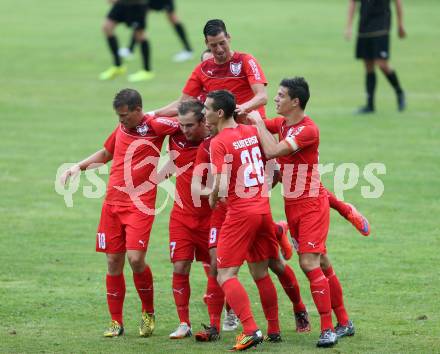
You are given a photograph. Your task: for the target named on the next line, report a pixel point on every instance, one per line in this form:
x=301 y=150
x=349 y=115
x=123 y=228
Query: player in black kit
x=373 y=45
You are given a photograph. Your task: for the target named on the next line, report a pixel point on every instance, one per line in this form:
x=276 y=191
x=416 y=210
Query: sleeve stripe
x=292 y=143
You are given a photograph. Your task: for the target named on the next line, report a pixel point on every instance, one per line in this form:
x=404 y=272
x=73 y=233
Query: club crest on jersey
x=294 y=132
x=235 y=68
x=142 y=129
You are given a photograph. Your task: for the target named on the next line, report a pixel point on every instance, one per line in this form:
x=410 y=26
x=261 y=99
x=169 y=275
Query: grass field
x=54 y=110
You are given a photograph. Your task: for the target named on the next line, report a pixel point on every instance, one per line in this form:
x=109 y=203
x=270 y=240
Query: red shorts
x=246 y=237
x=123 y=228
x=217 y=218
x=189 y=238
x=309 y=221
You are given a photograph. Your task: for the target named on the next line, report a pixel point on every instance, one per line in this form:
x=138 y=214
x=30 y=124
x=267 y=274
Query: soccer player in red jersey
x=306 y=201
x=284 y=272
x=237 y=72
x=189 y=221
x=247 y=232
x=128 y=209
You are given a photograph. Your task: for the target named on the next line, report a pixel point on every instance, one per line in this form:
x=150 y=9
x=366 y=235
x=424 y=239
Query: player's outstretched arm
x=271 y=147
x=170 y=110
x=349 y=26
x=100 y=157
x=259 y=99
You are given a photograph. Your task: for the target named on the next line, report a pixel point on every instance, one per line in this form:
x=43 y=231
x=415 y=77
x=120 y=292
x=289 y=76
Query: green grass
x=53 y=110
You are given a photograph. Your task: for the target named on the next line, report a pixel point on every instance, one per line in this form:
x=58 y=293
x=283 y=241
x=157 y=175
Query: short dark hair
x=297 y=87
x=194 y=106
x=224 y=100
x=127 y=97
x=214 y=27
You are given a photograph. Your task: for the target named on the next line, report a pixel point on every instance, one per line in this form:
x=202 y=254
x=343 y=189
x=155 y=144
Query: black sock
x=132 y=43
x=145 y=51
x=394 y=81
x=182 y=35
x=370 y=83
x=113 y=44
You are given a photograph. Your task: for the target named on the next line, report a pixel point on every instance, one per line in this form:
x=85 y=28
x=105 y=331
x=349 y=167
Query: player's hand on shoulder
x=254 y=118
x=241 y=109
x=71 y=173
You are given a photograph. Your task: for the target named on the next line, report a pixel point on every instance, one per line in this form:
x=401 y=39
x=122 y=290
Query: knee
x=277 y=267
x=182 y=267
x=258 y=273
x=306 y=265
x=107 y=28
x=139 y=35
x=115 y=265
x=325 y=263
x=221 y=278
x=369 y=66
x=172 y=17
x=137 y=263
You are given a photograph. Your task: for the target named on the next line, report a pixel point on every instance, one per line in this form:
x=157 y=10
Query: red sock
x=206 y=268
x=337 y=298
x=321 y=296
x=269 y=301
x=237 y=297
x=144 y=286
x=115 y=295
x=291 y=287
x=215 y=300
x=182 y=292
x=342 y=207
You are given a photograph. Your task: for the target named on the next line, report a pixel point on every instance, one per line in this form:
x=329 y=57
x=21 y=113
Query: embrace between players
x=214 y=154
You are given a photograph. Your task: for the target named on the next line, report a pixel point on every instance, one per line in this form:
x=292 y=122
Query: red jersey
x=237 y=75
x=240 y=148
x=186 y=151
x=204 y=157
x=300 y=168
x=131 y=148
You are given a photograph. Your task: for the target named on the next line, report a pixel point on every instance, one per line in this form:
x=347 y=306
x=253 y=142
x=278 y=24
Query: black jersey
x=375 y=17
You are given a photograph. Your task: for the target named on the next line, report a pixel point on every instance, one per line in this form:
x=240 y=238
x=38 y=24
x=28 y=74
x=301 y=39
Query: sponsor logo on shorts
x=142 y=242
x=313 y=244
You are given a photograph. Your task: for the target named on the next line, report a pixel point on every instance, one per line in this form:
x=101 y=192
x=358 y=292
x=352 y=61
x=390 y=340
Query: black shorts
x=159 y=5
x=373 y=47
x=132 y=15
